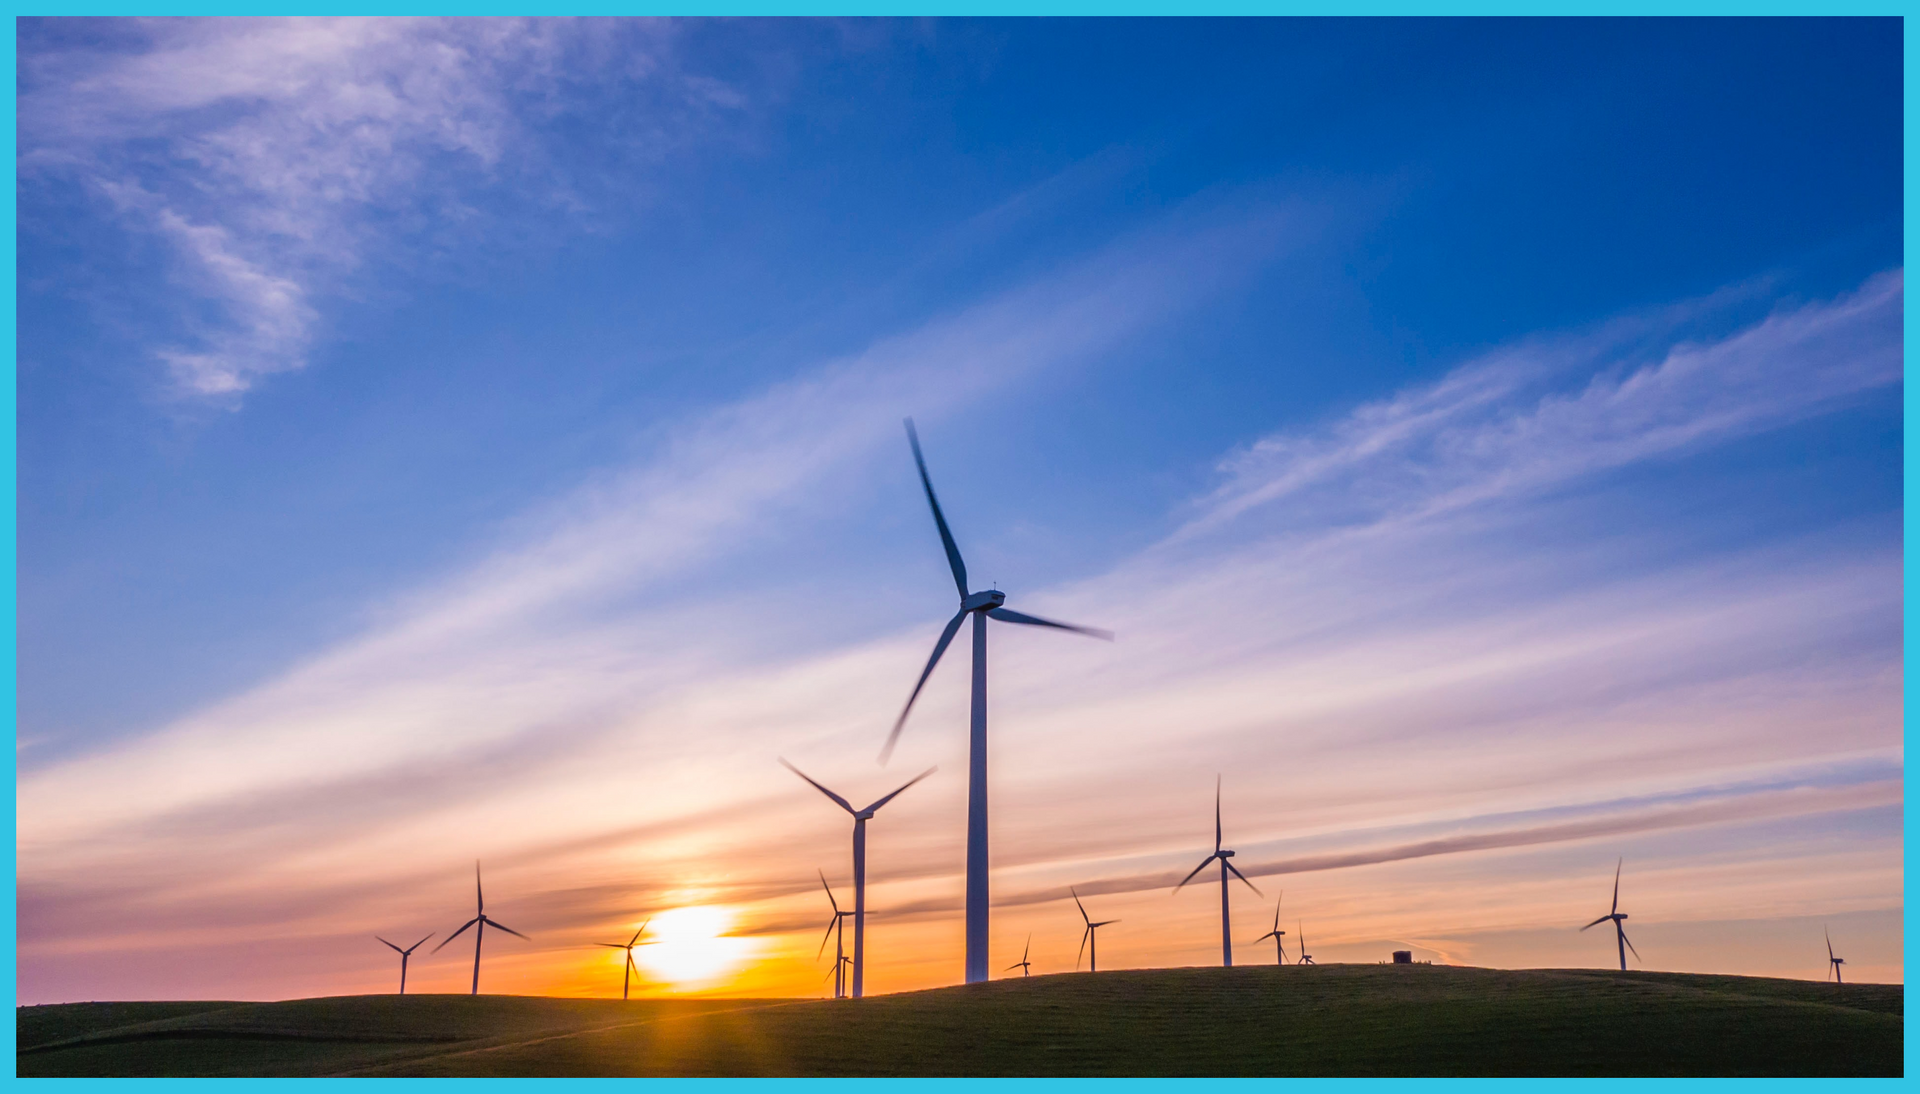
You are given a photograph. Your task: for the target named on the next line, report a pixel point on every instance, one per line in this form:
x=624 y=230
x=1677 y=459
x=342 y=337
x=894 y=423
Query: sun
x=689 y=947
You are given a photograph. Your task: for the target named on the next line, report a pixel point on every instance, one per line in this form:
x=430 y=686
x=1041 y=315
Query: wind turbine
x=1279 y=942
x=1305 y=957
x=408 y=952
x=1618 y=918
x=1026 y=966
x=1834 y=962
x=1089 y=935
x=480 y=923
x=860 y=818
x=981 y=605
x=1226 y=865
x=836 y=932
x=626 y=977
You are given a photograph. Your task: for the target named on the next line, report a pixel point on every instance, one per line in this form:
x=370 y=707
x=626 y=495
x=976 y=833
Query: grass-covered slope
x=1324 y=1020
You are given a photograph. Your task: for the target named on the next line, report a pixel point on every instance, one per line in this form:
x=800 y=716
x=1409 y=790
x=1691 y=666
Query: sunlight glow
x=690 y=947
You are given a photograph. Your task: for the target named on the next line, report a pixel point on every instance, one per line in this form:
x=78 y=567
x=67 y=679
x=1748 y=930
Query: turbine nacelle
x=1223 y=854
x=983 y=600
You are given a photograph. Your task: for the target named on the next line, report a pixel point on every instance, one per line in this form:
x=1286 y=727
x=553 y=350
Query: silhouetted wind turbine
x=1618 y=918
x=1279 y=943
x=980 y=605
x=838 y=934
x=1305 y=957
x=860 y=818
x=1834 y=962
x=1088 y=936
x=408 y=952
x=480 y=923
x=1027 y=966
x=626 y=977
x=1226 y=924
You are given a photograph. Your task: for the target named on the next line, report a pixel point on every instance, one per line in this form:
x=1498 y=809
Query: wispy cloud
x=275 y=155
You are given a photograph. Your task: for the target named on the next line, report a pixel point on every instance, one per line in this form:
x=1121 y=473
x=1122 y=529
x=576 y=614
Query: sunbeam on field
x=691 y=949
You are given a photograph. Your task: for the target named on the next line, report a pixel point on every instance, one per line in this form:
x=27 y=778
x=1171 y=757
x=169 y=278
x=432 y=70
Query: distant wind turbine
x=408 y=952
x=626 y=976
x=836 y=932
x=981 y=605
x=1834 y=962
x=860 y=818
x=1026 y=966
x=1090 y=935
x=1619 y=917
x=1305 y=957
x=1226 y=923
x=480 y=923
x=1279 y=941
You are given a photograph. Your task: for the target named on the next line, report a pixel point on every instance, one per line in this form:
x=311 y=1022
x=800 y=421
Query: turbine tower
x=1088 y=936
x=480 y=923
x=626 y=976
x=981 y=605
x=1226 y=866
x=1305 y=957
x=860 y=818
x=1618 y=917
x=1833 y=962
x=408 y=952
x=1026 y=966
x=836 y=932
x=1279 y=941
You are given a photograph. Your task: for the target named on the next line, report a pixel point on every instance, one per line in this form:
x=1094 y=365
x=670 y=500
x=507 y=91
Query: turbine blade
x=829 y=889
x=831 y=924
x=940 y=647
x=454 y=935
x=416 y=945
x=1597 y=922
x=1616 y=885
x=479 y=898
x=1008 y=615
x=1823 y=932
x=1196 y=870
x=636 y=938
x=397 y=949
x=1216 y=814
x=1629 y=942
x=838 y=800
x=1077 y=904
x=1235 y=870
x=502 y=927
x=611 y=945
x=1026 y=949
x=876 y=805
x=1106 y=922
x=1084 y=935
x=946 y=537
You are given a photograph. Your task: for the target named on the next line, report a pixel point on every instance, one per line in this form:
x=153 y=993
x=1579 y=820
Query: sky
x=481 y=440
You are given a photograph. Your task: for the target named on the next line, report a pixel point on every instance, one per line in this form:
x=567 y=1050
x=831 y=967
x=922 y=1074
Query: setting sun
x=689 y=947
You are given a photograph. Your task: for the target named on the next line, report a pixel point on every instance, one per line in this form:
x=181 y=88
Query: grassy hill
x=1322 y=1020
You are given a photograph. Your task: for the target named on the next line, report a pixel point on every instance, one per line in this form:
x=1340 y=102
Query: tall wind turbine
x=480 y=923
x=860 y=818
x=838 y=933
x=1834 y=962
x=1618 y=917
x=626 y=976
x=1305 y=957
x=1226 y=865
x=408 y=952
x=1090 y=935
x=981 y=605
x=1026 y=967
x=1279 y=942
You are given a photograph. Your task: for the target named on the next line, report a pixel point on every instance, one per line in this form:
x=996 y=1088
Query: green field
x=1321 y=1020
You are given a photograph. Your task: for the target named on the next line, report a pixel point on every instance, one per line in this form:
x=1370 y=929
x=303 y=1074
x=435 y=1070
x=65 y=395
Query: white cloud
x=274 y=155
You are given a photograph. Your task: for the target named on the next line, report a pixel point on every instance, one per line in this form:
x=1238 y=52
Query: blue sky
x=1469 y=426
